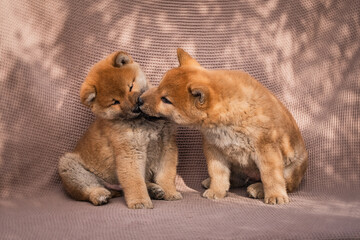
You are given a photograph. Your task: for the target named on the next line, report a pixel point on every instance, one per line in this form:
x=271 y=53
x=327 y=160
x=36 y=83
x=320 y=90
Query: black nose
x=140 y=102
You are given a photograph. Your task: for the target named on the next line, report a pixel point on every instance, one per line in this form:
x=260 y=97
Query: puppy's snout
x=136 y=110
x=140 y=102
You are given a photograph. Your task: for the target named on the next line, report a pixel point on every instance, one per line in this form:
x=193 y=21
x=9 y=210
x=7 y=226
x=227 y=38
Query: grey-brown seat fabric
x=306 y=52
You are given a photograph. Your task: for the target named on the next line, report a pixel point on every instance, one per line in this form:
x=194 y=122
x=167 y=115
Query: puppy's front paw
x=173 y=196
x=276 y=199
x=99 y=196
x=210 y=194
x=140 y=204
x=256 y=190
x=156 y=192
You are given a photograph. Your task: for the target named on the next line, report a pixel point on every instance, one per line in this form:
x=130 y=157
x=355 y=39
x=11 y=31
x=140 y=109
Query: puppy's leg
x=294 y=173
x=219 y=172
x=166 y=172
x=271 y=166
x=130 y=166
x=80 y=183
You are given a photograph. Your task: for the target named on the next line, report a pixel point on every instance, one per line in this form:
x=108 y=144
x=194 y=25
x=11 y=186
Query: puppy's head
x=184 y=95
x=112 y=87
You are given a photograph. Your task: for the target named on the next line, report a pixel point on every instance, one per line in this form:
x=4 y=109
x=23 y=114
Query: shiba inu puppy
x=120 y=147
x=246 y=129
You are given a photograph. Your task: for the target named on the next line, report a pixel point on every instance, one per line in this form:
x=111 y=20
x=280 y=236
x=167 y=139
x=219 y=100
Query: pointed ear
x=185 y=59
x=121 y=59
x=87 y=94
x=200 y=94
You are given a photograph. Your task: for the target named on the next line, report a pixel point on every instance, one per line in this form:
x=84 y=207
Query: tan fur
x=120 y=147
x=246 y=129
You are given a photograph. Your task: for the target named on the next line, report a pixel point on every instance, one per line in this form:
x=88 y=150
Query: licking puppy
x=246 y=130
x=120 y=147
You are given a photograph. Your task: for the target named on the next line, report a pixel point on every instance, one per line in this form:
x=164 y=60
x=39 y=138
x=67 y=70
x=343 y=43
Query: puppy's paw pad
x=173 y=197
x=210 y=194
x=256 y=190
x=141 y=205
x=156 y=193
x=277 y=200
x=206 y=183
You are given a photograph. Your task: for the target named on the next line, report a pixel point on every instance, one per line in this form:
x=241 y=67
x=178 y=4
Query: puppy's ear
x=185 y=59
x=121 y=59
x=200 y=94
x=87 y=94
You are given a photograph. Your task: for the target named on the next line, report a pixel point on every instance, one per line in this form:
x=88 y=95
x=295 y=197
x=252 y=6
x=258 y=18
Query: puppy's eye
x=131 y=87
x=165 y=100
x=115 y=102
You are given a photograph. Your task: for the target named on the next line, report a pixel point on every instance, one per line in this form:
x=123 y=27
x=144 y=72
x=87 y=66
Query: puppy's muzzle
x=139 y=103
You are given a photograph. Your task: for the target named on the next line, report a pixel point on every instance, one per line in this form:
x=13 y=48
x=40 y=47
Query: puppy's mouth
x=150 y=118
x=144 y=115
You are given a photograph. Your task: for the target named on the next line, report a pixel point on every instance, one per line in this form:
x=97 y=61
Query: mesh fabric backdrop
x=306 y=52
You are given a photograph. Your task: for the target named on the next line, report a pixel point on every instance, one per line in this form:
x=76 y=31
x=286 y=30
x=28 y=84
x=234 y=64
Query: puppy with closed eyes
x=247 y=132
x=120 y=147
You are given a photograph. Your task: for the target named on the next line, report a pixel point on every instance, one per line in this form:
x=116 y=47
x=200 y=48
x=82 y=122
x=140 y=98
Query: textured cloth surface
x=236 y=217
x=306 y=52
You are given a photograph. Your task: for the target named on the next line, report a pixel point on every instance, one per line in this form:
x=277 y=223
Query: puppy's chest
x=234 y=144
x=145 y=133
